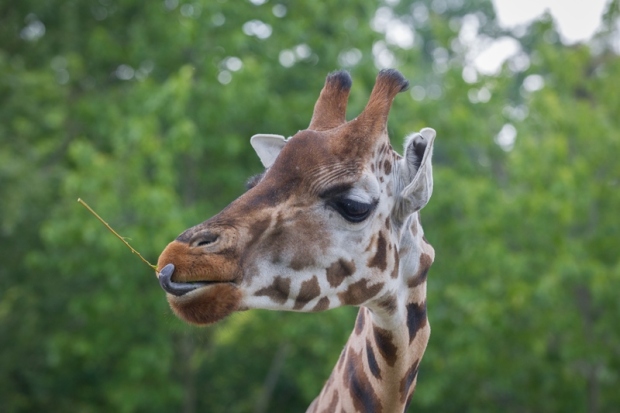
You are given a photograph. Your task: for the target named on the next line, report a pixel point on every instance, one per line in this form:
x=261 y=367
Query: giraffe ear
x=267 y=147
x=417 y=173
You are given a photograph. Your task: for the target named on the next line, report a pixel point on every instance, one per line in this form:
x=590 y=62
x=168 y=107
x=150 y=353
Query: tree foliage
x=145 y=111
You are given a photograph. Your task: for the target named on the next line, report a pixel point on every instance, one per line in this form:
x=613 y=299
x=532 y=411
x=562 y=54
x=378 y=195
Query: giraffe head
x=320 y=228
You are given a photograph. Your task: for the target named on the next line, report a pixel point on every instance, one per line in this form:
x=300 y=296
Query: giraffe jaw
x=179 y=289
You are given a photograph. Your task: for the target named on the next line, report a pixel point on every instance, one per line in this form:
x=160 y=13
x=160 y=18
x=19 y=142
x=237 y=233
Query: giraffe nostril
x=203 y=239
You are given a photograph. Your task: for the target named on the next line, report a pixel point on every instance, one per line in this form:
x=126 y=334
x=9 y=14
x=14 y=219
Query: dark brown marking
x=322 y=305
x=338 y=271
x=386 y=348
x=425 y=264
x=406 y=383
x=394 y=273
x=257 y=229
x=332 y=404
x=359 y=323
x=388 y=303
x=359 y=292
x=278 y=291
x=388 y=223
x=309 y=290
x=387 y=166
x=372 y=361
x=301 y=260
x=416 y=318
x=362 y=394
x=380 y=259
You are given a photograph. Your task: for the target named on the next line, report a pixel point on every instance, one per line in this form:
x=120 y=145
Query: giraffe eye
x=352 y=211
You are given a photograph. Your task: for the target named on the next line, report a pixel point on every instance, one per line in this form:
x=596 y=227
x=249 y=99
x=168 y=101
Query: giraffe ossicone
x=333 y=221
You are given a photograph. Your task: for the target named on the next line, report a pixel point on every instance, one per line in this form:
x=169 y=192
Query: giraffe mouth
x=179 y=288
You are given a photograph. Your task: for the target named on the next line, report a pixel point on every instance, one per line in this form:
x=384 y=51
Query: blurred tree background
x=145 y=111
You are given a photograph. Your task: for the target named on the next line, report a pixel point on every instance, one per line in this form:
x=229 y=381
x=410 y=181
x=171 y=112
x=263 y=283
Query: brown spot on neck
x=407 y=384
x=359 y=322
x=388 y=303
x=416 y=318
x=425 y=264
x=372 y=361
x=387 y=349
x=359 y=292
x=362 y=393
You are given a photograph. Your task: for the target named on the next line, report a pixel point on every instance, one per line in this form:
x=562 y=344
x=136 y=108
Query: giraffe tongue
x=176 y=288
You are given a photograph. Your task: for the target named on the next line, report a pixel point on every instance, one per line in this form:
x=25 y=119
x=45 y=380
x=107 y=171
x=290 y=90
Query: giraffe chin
x=199 y=302
x=206 y=305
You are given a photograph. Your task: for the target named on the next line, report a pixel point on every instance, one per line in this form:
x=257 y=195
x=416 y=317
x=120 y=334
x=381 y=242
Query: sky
x=577 y=20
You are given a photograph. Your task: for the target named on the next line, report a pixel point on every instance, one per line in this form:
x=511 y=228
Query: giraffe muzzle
x=178 y=288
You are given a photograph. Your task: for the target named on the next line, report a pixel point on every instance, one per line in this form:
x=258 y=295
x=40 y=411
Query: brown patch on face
x=387 y=166
x=425 y=264
x=206 y=306
x=388 y=223
x=322 y=305
x=301 y=260
x=359 y=292
x=362 y=393
x=278 y=291
x=309 y=290
x=387 y=349
x=407 y=384
x=388 y=303
x=258 y=228
x=338 y=271
x=379 y=260
x=416 y=318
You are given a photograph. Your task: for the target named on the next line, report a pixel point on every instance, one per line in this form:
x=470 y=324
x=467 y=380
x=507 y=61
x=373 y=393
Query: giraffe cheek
x=207 y=305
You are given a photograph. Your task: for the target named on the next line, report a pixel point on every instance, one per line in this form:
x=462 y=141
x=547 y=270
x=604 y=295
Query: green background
x=145 y=110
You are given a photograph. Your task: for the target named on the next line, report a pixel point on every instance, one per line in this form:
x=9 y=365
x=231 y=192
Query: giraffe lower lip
x=176 y=288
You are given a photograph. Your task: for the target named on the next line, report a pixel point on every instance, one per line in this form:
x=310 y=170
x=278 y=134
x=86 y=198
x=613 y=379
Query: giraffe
x=333 y=220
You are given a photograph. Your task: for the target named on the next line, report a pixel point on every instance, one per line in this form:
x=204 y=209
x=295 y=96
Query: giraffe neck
x=377 y=369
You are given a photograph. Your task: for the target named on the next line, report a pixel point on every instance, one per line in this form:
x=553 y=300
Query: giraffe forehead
x=314 y=161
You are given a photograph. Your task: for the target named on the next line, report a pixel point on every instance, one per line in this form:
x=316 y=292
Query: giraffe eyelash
x=352 y=210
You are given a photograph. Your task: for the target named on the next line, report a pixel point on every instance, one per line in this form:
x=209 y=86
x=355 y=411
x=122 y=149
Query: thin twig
x=116 y=234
